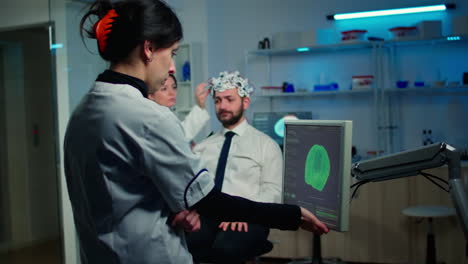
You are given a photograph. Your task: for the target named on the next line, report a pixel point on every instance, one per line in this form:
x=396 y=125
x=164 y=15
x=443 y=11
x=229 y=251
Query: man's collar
x=239 y=129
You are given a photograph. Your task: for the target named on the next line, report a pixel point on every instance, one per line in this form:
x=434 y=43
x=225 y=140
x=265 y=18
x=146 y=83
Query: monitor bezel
x=281 y=114
x=345 y=171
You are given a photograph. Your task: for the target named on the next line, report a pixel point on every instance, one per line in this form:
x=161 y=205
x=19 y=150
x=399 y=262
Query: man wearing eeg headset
x=251 y=167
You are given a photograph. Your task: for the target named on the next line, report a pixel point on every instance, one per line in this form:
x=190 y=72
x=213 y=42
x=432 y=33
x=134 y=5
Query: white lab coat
x=127 y=172
x=195 y=121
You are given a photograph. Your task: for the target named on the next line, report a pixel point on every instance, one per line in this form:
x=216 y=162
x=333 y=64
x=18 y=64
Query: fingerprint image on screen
x=317 y=167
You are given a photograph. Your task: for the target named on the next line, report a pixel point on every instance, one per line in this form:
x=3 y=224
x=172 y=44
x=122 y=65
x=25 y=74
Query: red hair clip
x=103 y=27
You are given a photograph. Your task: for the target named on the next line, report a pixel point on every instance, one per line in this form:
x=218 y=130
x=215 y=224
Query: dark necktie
x=223 y=160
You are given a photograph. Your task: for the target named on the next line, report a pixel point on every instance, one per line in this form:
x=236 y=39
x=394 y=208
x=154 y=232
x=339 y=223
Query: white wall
x=84 y=62
x=193 y=16
x=23 y=12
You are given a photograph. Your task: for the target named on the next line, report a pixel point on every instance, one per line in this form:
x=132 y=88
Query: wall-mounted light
x=453 y=38
x=303 y=49
x=56 y=46
x=389 y=12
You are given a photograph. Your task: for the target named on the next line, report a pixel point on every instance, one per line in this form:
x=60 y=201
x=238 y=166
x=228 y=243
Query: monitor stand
x=317 y=254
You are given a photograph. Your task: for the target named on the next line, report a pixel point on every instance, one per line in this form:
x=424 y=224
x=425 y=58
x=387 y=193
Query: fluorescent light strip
x=398 y=11
x=302 y=49
x=56 y=46
x=453 y=38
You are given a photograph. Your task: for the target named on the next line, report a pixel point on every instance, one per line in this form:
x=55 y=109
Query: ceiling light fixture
x=389 y=12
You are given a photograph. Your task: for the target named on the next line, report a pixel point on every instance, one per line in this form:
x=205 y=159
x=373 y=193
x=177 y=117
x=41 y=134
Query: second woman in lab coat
x=198 y=117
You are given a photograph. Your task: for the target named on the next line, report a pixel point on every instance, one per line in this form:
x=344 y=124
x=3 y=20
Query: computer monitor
x=317 y=164
x=272 y=123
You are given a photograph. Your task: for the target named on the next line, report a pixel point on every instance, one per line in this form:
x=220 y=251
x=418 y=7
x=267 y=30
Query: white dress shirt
x=254 y=168
x=195 y=121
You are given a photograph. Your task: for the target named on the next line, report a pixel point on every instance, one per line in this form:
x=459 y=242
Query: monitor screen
x=317 y=165
x=272 y=123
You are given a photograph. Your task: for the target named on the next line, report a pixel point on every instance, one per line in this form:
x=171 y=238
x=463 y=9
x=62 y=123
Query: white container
x=404 y=33
x=430 y=29
x=460 y=25
x=362 y=82
x=353 y=35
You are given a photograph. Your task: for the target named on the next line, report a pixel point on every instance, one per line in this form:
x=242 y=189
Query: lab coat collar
x=114 y=77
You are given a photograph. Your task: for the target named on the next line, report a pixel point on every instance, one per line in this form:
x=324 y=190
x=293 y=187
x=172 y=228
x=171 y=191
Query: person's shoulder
x=260 y=135
x=127 y=104
x=151 y=113
x=158 y=115
x=126 y=98
x=263 y=140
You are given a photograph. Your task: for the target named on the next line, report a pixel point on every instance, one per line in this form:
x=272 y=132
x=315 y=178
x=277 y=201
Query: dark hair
x=136 y=21
x=173 y=78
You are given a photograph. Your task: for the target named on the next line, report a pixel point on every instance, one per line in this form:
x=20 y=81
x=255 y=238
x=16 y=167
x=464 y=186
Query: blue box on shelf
x=402 y=84
x=326 y=87
x=419 y=84
x=289 y=88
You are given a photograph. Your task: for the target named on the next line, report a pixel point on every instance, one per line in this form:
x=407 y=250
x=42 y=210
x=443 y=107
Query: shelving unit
x=393 y=98
x=367 y=96
x=313 y=49
x=383 y=102
x=430 y=90
x=376 y=220
x=188 y=52
x=429 y=41
x=356 y=45
x=320 y=93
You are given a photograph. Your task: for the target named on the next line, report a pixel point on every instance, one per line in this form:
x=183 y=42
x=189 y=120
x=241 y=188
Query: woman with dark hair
x=133 y=182
x=198 y=116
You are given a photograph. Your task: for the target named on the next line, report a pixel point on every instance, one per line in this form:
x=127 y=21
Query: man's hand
x=311 y=223
x=200 y=95
x=239 y=226
x=188 y=220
